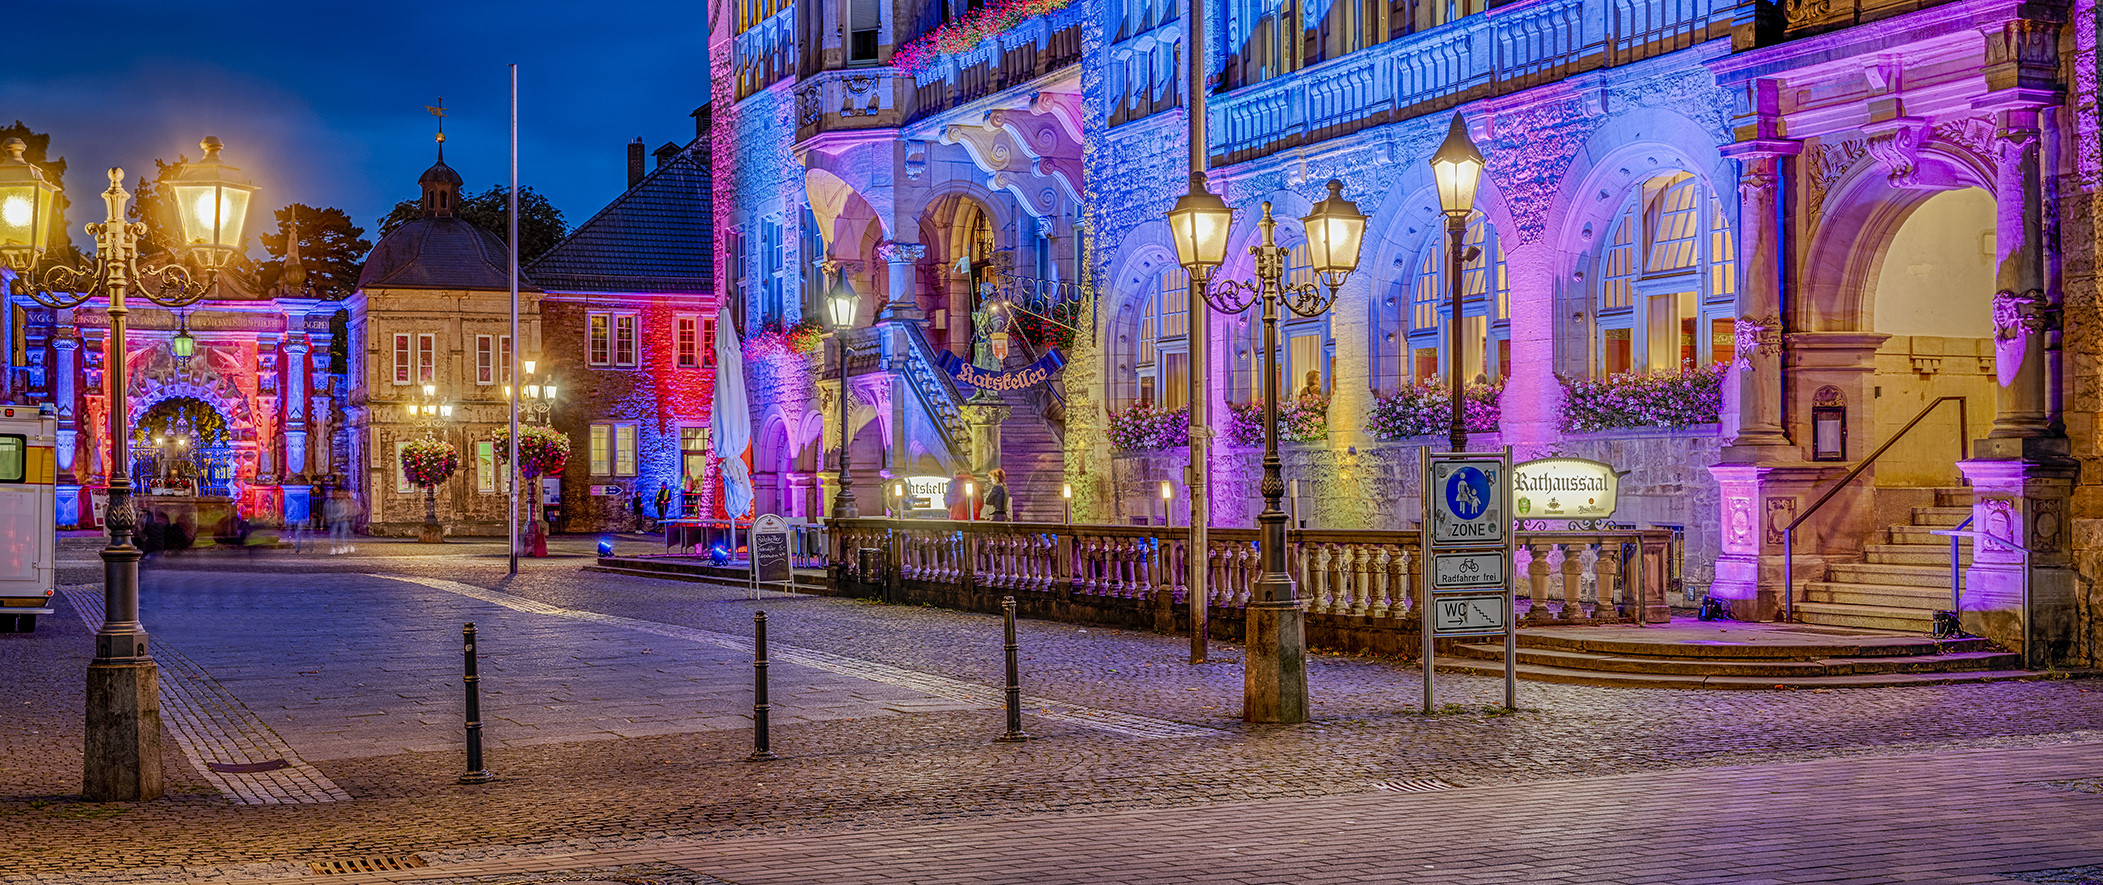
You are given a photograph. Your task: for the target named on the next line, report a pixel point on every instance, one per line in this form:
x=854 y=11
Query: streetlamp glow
x=184 y=345
x=843 y=305
x=211 y=206
x=842 y=301
x=1458 y=167
x=25 y=207
x=1199 y=223
x=1335 y=232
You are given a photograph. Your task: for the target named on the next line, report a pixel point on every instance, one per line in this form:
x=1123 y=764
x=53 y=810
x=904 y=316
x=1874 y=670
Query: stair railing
x=1957 y=536
x=1964 y=450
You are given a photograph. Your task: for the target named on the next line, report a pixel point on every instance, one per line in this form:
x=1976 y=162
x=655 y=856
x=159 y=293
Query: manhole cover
x=1422 y=785
x=247 y=767
x=365 y=865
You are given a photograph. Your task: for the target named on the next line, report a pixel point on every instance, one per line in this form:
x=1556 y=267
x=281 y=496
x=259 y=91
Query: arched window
x=1665 y=280
x=1485 y=310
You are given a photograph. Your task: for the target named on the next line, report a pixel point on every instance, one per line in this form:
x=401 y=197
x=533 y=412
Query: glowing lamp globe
x=1335 y=231
x=841 y=302
x=547 y=392
x=211 y=206
x=1199 y=224
x=183 y=344
x=1458 y=167
x=25 y=207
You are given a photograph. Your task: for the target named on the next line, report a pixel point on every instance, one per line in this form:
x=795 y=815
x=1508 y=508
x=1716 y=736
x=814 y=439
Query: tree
x=540 y=224
x=150 y=206
x=38 y=154
x=331 y=250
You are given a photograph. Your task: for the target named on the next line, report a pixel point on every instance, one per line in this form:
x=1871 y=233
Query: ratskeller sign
x=1564 y=488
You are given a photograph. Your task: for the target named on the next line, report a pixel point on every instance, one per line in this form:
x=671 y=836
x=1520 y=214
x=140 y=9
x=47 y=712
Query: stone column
x=295 y=485
x=1532 y=397
x=984 y=417
x=1754 y=392
x=2023 y=314
x=902 y=260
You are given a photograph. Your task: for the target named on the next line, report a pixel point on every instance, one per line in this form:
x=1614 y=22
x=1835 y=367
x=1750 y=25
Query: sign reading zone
x=1467 y=502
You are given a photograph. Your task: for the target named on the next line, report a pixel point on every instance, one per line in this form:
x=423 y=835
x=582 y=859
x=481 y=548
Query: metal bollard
x=1007 y=610
x=761 y=749
x=476 y=774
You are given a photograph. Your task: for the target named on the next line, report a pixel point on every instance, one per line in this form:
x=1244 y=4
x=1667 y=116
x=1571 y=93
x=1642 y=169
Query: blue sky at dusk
x=324 y=103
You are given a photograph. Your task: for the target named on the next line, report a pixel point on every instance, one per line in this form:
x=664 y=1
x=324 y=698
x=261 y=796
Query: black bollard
x=1007 y=610
x=476 y=774
x=761 y=749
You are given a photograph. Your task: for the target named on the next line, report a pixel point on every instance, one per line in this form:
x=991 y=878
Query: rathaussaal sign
x=1564 y=488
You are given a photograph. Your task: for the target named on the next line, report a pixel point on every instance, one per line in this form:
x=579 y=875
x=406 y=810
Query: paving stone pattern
x=359 y=677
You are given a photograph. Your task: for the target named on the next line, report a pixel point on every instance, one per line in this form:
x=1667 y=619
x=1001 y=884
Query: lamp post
x=1199 y=223
x=122 y=759
x=843 y=304
x=430 y=414
x=1275 y=677
x=1458 y=167
x=532 y=405
x=535 y=398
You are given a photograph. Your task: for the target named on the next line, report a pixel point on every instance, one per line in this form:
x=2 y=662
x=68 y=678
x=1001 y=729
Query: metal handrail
x=1964 y=451
x=1957 y=536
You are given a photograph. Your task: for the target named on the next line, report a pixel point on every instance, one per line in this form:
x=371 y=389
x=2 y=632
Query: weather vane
x=438 y=110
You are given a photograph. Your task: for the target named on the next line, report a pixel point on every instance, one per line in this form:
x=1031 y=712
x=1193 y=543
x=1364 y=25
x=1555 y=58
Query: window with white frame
x=401 y=474
x=426 y=358
x=601 y=449
x=613 y=449
x=485 y=359
x=613 y=338
x=486 y=466
x=404 y=358
x=693 y=457
x=686 y=342
x=1163 y=364
x=624 y=450
x=1666 y=279
x=504 y=358
x=1485 y=309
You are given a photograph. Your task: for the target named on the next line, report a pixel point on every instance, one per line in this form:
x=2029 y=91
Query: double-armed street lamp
x=210 y=204
x=1275 y=678
x=842 y=305
x=536 y=398
x=1458 y=168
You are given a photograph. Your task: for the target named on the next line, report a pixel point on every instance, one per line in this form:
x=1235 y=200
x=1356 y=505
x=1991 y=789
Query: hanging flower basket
x=542 y=450
x=804 y=338
x=428 y=462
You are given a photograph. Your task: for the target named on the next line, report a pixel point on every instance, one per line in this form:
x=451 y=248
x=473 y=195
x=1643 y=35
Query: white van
x=28 y=530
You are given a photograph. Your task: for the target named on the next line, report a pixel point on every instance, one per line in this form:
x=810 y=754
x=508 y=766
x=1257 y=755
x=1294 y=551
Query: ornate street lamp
x=183 y=345
x=842 y=305
x=1276 y=689
x=1458 y=167
x=123 y=760
x=429 y=413
x=536 y=398
x=1198 y=224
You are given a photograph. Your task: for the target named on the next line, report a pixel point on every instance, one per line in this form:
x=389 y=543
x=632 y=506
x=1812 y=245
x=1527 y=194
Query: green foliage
x=540 y=224
x=331 y=251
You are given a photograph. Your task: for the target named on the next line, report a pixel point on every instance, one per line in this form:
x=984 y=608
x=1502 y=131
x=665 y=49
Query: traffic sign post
x=1467 y=539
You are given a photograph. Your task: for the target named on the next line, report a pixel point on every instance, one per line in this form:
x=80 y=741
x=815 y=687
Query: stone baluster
x=1537 y=581
x=1361 y=589
x=1609 y=570
x=1573 y=582
x=1383 y=561
x=1588 y=577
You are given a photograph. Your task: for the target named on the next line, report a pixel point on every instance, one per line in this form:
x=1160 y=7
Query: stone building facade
x=1840 y=217
x=433 y=306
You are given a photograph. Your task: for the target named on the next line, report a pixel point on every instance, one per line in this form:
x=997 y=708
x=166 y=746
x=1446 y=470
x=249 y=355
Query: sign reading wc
x=1564 y=488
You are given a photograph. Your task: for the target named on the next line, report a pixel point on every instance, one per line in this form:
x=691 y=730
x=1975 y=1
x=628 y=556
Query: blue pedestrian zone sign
x=1467 y=500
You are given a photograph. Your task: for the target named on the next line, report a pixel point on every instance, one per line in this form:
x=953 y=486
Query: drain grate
x=365 y=865
x=1421 y=785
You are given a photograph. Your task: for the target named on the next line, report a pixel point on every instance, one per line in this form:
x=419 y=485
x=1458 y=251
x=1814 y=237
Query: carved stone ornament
x=1781 y=511
x=900 y=253
x=1802 y=12
x=1757 y=337
x=1898 y=150
x=2025 y=314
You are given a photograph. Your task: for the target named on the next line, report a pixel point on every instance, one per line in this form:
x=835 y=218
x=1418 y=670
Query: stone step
x=1893 y=574
x=1568 y=676
x=1758 y=667
x=1835 y=614
x=1924 y=535
x=1911 y=599
x=1941 y=516
x=1687 y=638
x=1937 y=555
x=1953 y=497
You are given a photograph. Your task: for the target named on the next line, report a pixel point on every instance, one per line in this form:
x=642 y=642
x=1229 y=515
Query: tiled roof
x=440 y=253
x=657 y=237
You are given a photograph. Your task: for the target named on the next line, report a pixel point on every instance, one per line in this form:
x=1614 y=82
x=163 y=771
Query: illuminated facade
x=244 y=427
x=1818 y=219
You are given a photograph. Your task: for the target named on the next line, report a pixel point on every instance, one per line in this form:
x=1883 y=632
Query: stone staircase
x=1685 y=653
x=1034 y=455
x=1899 y=584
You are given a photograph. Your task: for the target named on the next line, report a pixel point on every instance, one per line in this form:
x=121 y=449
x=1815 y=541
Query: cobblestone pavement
x=357 y=676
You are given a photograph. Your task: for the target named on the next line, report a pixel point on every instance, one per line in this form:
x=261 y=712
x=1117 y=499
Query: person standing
x=337 y=512
x=664 y=503
x=635 y=507
x=997 y=495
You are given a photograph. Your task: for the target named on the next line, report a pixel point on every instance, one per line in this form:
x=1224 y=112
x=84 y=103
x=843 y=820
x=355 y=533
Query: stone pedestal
x=984 y=413
x=123 y=741
x=2020 y=588
x=1274 y=672
x=1758 y=502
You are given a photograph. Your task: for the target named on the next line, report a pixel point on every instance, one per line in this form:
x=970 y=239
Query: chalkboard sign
x=770 y=550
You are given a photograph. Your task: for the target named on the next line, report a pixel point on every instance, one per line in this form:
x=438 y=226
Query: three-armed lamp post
x=1274 y=687
x=843 y=305
x=210 y=207
x=1458 y=167
x=430 y=414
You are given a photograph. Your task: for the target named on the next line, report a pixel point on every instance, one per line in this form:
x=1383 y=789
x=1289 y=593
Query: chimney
x=635 y=162
x=701 y=117
x=666 y=153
